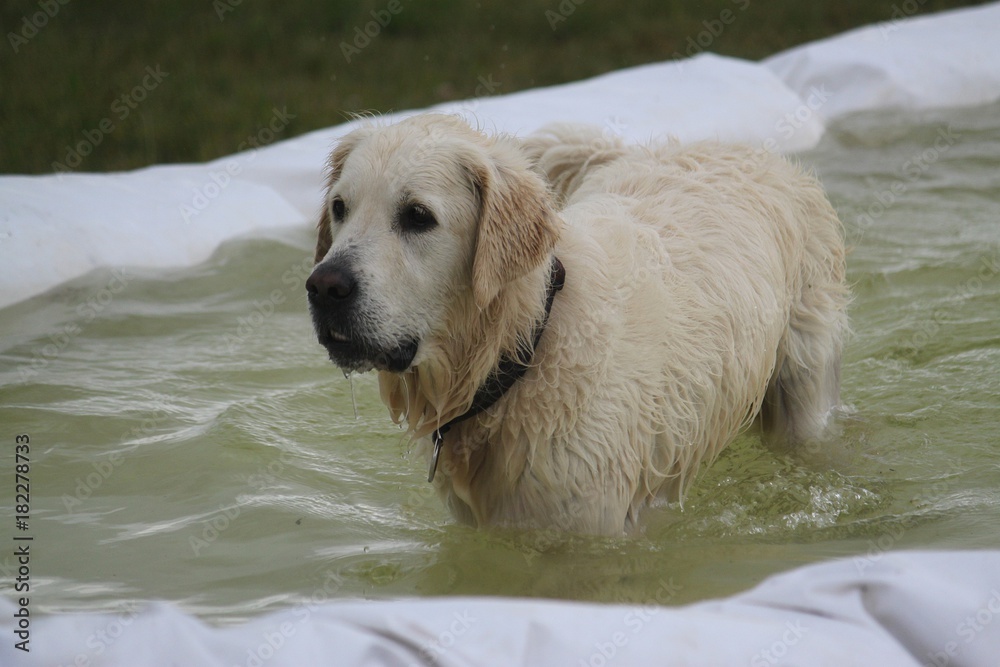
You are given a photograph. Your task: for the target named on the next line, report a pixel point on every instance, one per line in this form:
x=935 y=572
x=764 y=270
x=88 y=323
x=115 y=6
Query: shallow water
x=190 y=441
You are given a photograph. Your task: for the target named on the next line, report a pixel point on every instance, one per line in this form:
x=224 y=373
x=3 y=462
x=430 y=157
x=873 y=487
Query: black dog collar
x=508 y=371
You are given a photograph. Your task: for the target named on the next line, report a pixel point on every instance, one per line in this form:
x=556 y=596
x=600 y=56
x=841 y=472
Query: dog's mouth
x=355 y=354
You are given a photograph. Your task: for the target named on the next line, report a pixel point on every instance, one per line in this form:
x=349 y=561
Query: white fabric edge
x=893 y=608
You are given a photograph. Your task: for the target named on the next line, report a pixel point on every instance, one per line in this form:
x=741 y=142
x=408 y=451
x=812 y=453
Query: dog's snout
x=331 y=283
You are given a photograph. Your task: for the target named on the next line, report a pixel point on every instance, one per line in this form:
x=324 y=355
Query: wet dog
x=573 y=325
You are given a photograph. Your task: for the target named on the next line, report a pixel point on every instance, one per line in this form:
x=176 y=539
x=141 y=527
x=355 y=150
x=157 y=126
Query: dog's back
x=565 y=153
x=803 y=390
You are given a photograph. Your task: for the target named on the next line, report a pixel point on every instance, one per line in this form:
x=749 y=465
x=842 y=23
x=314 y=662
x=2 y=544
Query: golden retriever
x=590 y=321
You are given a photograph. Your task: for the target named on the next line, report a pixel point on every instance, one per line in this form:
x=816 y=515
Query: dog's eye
x=338 y=209
x=416 y=218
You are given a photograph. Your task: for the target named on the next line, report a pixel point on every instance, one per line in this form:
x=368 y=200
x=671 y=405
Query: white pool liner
x=904 y=609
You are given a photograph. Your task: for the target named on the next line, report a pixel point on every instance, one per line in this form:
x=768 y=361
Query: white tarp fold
x=904 y=609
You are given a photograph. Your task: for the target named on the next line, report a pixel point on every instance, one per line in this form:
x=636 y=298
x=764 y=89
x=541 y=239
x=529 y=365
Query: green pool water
x=190 y=441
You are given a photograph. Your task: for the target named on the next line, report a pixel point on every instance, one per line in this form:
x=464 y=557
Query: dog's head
x=422 y=220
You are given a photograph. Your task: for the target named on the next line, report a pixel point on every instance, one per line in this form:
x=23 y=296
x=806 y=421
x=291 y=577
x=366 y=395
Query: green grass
x=229 y=66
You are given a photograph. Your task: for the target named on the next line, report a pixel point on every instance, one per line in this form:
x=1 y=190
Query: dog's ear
x=324 y=236
x=335 y=165
x=517 y=226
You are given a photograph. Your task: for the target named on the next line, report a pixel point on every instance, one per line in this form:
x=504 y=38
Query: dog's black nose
x=331 y=283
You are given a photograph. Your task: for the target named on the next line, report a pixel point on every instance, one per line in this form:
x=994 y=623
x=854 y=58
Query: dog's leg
x=804 y=391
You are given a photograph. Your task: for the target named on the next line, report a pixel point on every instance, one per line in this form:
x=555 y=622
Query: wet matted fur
x=704 y=287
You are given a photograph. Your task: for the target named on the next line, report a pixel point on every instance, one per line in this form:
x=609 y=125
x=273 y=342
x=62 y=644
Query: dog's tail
x=564 y=153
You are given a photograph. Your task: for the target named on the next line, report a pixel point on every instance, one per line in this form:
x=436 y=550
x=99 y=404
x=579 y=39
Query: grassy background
x=230 y=63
